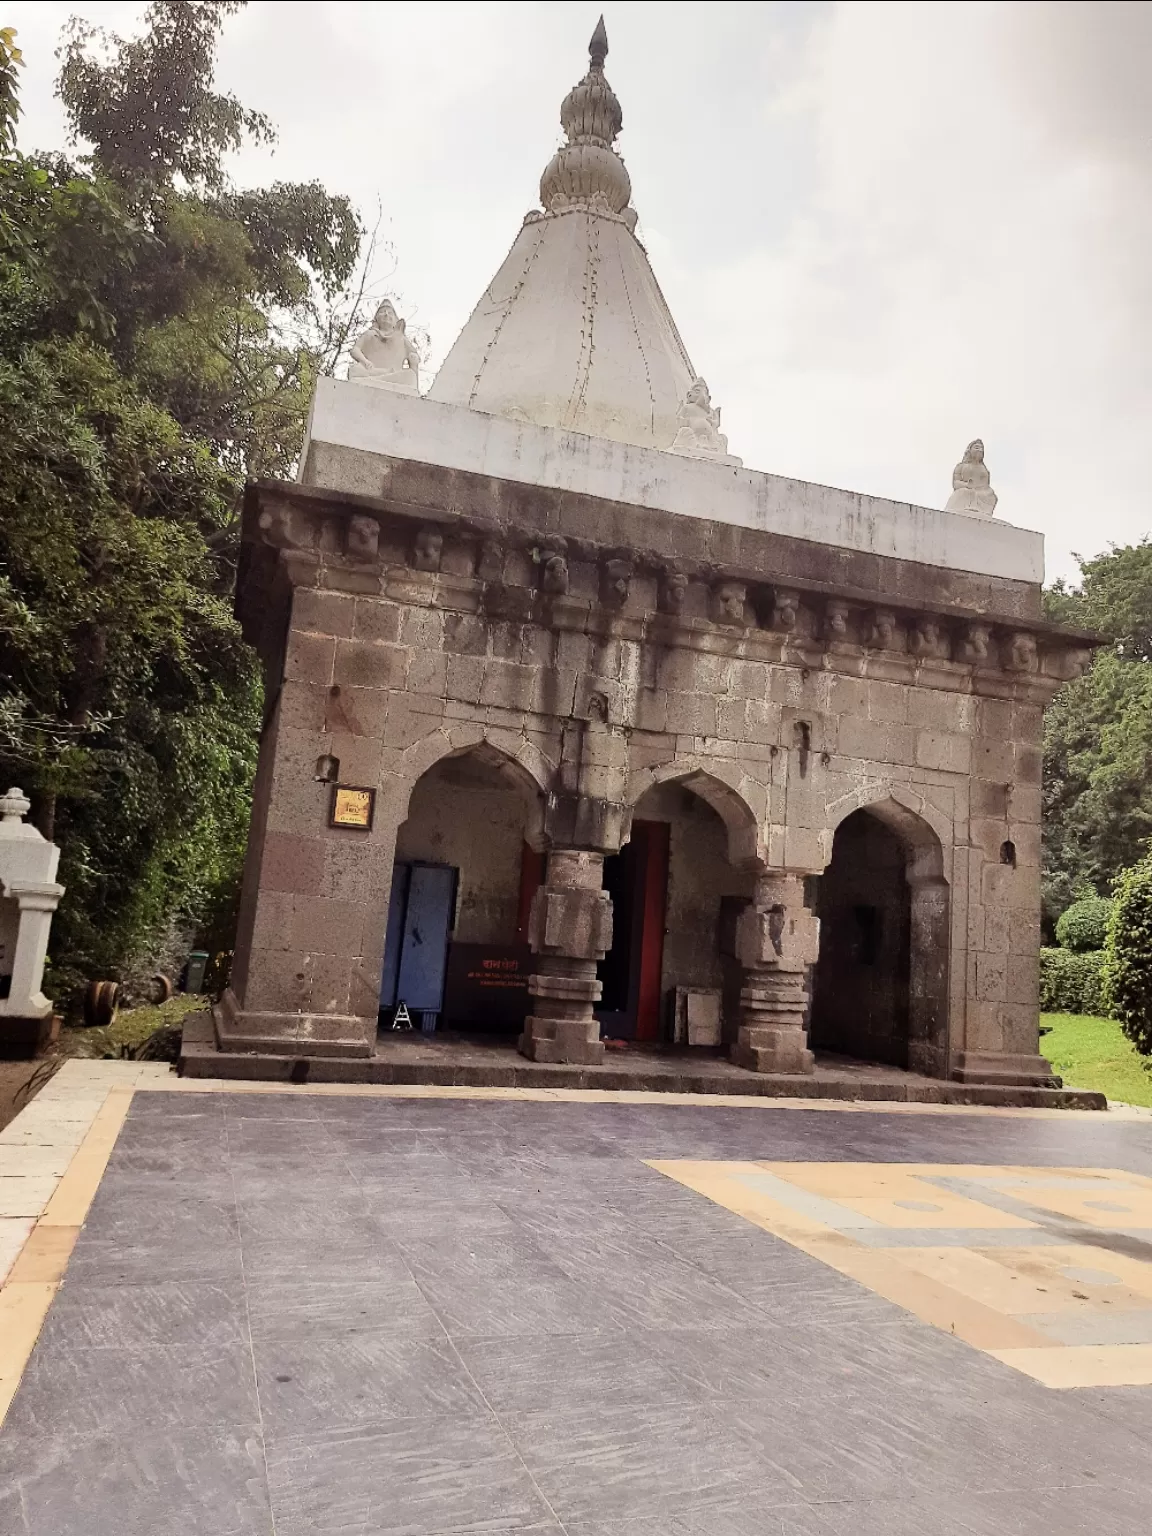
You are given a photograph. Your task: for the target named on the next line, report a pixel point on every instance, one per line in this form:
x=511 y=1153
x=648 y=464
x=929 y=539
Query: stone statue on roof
x=385 y=356
x=698 y=434
x=972 y=491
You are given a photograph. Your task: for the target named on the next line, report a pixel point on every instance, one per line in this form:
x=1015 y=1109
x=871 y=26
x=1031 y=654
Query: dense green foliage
x=1071 y=982
x=1098 y=734
x=160 y=335
x=1128 y=966
x=1084 y=925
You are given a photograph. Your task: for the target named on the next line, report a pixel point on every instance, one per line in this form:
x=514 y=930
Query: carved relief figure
x=616 y=582
x=974 y=646
x=699 y=435
x=363 y=538
x=384 y=356
x=926 y=639
x=728 y=603
x=429 y=547
x=1022 y=654
x=554 y=568
x=882 y=630
x=972 y=491
x=785 y=611
x=673 y=590
x=836 y=621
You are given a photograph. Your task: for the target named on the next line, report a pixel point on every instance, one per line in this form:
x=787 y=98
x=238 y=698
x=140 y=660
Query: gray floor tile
x=84 y=1391
x=114 y=1261
x=424 y=1218
x=310 y=1386
x=308 y=1306
x=539 y=1299
x=632 y=1463
x=202 y=1482
x=355 y=1252
x=594 y=1371
x=1076 y=1510
x=271 y=1215
x=170 y=1313
x=404 y=1480
x=130 y=1212
x=476 y=1253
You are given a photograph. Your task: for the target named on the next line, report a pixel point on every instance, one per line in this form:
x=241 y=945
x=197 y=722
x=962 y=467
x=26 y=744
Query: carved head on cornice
x=1021 y=653
x=728 y=603
x=785 y=610
x=429 y=548
x=836 y=621
x=975 y=644
x=882 y=630
x=616 y=582
x=673 y=591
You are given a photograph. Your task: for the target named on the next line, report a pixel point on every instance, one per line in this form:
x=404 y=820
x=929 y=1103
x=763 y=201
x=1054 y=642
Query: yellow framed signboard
x=352 y=807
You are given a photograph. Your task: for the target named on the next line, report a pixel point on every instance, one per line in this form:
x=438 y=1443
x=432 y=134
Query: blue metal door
x=394 y=934
x=424 y=944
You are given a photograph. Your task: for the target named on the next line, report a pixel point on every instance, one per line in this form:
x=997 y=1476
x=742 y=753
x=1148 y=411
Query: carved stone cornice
x=568 y=584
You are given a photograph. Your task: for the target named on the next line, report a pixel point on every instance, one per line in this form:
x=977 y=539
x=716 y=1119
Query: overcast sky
x=883 y=229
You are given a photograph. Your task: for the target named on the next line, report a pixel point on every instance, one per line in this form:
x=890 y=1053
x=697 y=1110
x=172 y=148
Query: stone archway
x=880 y=987
x=467 y=859
x=690 y=863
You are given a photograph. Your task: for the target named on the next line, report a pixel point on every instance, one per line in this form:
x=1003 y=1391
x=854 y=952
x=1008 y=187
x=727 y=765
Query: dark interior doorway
x=861 y=988
x=636 y=879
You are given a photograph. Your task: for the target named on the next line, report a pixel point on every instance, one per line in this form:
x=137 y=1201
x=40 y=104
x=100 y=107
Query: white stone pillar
x=27 y=876
x=37 y=902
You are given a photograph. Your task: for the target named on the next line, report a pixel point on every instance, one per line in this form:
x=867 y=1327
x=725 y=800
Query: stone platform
x=464 y=1061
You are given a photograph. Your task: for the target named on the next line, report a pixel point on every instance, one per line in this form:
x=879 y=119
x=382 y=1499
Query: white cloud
x=883 y=228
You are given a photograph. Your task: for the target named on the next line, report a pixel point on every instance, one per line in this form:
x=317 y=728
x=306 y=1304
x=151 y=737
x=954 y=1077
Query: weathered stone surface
x=784 y=689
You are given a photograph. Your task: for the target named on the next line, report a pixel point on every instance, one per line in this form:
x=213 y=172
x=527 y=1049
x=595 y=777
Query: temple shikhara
x=577 y=728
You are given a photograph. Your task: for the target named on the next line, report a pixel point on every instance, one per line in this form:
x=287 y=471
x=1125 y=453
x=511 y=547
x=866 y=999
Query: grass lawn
x=1095 y=1053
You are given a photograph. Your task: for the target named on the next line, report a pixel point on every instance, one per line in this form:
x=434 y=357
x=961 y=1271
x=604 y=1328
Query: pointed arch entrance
x=691 y=853
x=467 y=861
x=880 y=987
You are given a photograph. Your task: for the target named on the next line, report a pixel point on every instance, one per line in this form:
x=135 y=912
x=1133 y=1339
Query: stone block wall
x=592 y=676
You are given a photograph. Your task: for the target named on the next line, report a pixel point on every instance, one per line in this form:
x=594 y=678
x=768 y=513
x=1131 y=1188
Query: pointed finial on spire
x=587 y=171
x=598 y=47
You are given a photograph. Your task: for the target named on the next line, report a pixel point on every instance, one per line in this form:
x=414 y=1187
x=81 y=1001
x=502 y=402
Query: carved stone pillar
x=570 y=929
x=776 y=940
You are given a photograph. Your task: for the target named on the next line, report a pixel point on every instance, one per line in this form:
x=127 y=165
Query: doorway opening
x=465 y=867
x=880 y=987
x=669 y=886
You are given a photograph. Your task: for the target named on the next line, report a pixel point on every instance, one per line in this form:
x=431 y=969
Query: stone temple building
x=577 y=728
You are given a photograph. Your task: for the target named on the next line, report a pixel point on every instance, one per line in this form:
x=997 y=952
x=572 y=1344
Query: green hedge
x=1129 y=968
x=1084 y=926
x=1071 y=983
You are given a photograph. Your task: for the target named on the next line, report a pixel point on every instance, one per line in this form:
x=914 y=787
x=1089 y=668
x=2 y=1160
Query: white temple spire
x=573 y=331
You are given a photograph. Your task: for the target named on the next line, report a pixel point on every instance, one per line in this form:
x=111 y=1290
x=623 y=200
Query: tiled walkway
x=381 y=1313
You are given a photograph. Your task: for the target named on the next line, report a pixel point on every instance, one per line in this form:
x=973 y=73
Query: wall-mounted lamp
x=327 y=769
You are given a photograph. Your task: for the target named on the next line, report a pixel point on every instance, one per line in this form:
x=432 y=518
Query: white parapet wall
x=376 y=421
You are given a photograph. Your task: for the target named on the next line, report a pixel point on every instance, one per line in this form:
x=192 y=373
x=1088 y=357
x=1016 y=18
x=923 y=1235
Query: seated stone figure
x=698 y=434
x=384 y=356
x=972 y=491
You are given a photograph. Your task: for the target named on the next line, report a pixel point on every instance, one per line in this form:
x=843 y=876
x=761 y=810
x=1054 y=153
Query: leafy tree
x=1098 y=734
x=160 y=336
x=1128 y=963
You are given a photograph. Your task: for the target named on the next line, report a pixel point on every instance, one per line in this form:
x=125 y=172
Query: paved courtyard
x=360 y=1313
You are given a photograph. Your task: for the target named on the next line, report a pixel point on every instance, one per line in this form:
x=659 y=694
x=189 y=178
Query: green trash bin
x=194 y=971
